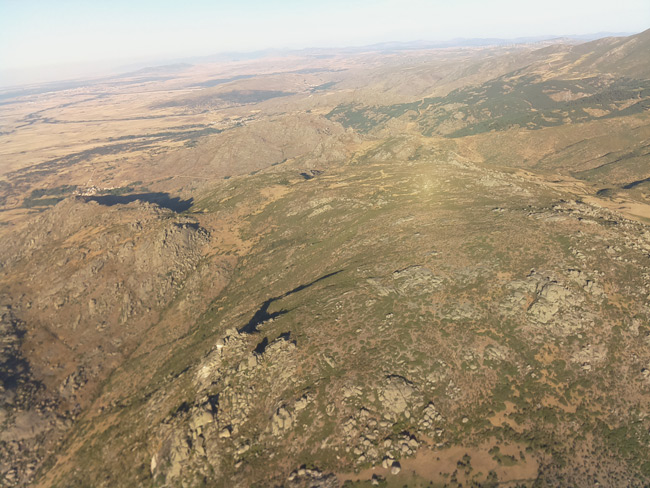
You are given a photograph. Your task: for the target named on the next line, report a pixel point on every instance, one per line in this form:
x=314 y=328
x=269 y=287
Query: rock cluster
x=213 y=427
x=551 y=301
x=396 y=396
x=304 y=477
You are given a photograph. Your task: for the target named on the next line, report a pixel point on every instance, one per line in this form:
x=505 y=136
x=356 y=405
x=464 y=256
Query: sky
x=46 y=35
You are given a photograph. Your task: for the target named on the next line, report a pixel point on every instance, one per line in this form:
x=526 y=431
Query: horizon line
x=123 y=65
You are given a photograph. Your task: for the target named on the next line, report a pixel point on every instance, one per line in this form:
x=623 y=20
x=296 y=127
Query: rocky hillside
x=388 y=309
x=327 y=278
x=90 y=283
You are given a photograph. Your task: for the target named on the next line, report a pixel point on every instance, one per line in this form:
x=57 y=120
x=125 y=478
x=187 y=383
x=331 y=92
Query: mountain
x=359 y=269
x=574 y=106
x=623 y=56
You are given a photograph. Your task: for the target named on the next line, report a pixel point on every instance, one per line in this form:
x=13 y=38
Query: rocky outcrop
x=553 y=302
x=396 y=396
x=281 y=421
x=415 y=280
x=549 y=298
x=218 y=425
x=304 y=477
x=411 y=281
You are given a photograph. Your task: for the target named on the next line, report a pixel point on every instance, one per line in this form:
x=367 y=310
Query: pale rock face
x=154 y=463
x=395 y=396
x=549 y=299
x=430 y=417
x=415 y=280
x=180 y=452
x=281 y=421
x=301 y=403
x=200 y=420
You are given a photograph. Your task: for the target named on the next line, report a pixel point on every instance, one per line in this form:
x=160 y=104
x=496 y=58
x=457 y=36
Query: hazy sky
x=36 y=33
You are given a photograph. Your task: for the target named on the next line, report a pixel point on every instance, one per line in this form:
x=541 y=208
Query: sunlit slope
x=388 y=302
x=626 y=56
x=579 y=110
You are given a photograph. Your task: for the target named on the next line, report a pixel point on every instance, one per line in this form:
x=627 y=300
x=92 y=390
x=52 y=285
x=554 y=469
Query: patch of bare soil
x=510 y=464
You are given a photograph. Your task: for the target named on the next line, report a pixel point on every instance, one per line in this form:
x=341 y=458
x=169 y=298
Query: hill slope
x=352 y=282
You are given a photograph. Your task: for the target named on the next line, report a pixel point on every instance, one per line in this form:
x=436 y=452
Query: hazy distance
x=45 y=41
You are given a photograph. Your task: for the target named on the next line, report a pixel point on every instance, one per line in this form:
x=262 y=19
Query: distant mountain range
x=10 y=81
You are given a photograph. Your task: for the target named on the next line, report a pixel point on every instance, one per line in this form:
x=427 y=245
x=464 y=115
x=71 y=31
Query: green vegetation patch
x=47 y=197
x=504 y=103
x=252 y=96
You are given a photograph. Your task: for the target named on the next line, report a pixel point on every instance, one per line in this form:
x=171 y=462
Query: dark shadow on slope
x=629 y=186
x=17 y=384
x=159 y=198
x=262 y=314
x=310 y=174
x=261 y=347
